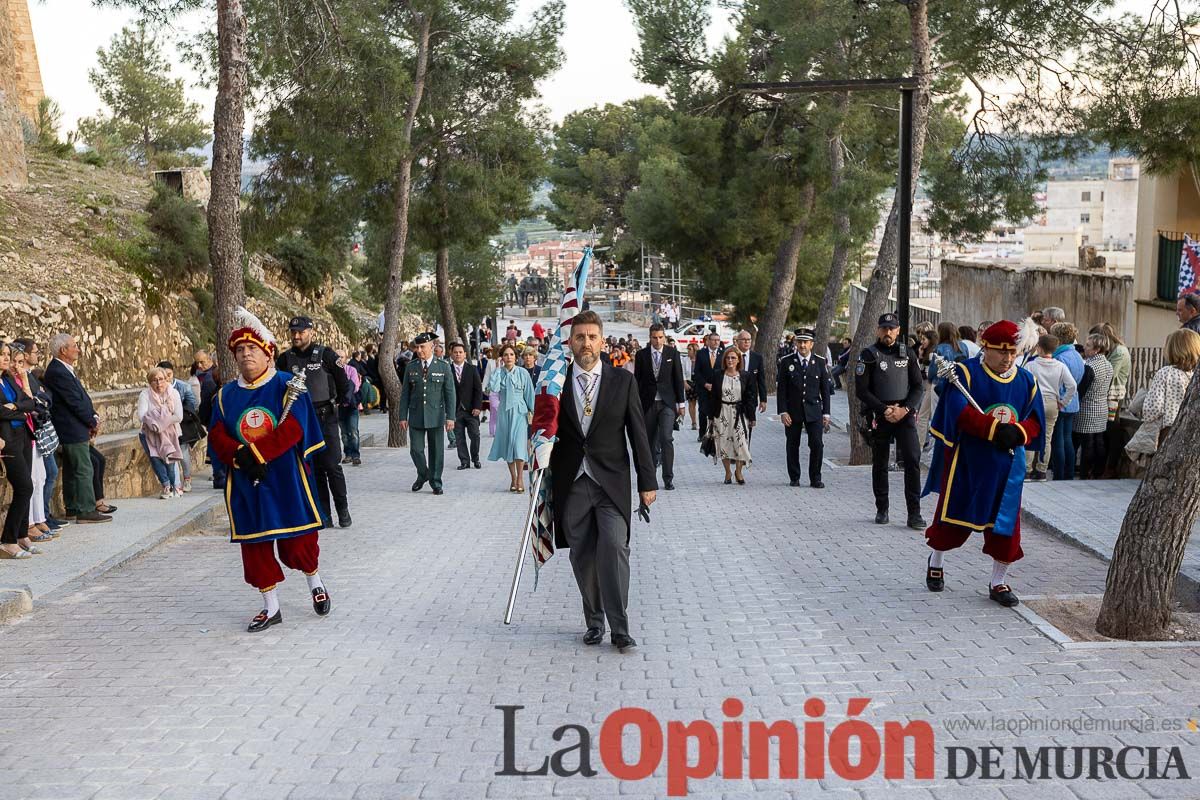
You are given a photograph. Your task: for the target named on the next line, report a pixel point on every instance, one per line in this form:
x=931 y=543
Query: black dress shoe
x=417 y=484
x=261 y=622
x=326 y=522
x=817 y=485
x=593 y=636
x=478 y=465
x=461 y=467
x=728 y=481
x=881 y=518
x=917 y=522
x=321 y=602
x=935 y=579
x=438 y=490
x=669 y=486
x=793 y=483
x=623 y=643
x=344 y=520
x=1003 y=595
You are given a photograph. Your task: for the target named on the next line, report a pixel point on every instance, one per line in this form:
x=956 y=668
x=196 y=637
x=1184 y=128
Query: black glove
x=248 y=464
x=1008 y=436
x=643 y=511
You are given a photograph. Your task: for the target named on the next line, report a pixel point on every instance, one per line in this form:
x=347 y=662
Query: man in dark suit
x=75 y=420
x=659 y=374
x=752 y=362
x=468 y=394
x=599 y=411
x=803 y=405
x=707 y=372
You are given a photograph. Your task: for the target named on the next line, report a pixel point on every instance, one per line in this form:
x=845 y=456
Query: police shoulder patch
x=861 y=369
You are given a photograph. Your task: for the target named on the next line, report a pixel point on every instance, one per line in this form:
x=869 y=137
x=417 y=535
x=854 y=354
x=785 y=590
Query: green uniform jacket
x=427 y=403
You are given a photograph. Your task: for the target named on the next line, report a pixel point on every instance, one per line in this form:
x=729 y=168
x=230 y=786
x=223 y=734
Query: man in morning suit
x=427 y=405
x=468 y=405
x=599 y=411
x=659 y=374
x=706 y=372
x=802 y=401
x=752 y=362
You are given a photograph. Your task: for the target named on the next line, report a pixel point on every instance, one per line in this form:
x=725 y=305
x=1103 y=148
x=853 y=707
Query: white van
x=697 y=329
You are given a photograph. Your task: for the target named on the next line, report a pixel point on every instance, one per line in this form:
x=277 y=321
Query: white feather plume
x=247 y=320
x=1027 y=335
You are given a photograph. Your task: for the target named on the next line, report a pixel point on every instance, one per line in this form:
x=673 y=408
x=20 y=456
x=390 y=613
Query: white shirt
x=69 y=367
x=585 y=422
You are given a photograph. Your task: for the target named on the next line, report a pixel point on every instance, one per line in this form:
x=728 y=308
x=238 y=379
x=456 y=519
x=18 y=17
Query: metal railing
x=1144 y=362
x=917 y=313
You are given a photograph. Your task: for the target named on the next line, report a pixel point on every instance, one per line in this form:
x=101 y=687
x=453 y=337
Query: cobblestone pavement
x=143 y=683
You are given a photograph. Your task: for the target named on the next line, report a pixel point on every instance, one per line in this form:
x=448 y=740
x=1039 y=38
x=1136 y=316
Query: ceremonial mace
x=295 y=387
x=947 y=372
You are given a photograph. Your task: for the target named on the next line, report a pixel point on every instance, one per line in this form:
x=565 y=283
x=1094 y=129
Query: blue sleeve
x=306 y=414
x=528 y=393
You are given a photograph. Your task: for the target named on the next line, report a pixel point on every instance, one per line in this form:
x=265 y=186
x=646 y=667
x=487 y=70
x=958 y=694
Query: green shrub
x=303 y=264
x=345 y=321
x=180 y=246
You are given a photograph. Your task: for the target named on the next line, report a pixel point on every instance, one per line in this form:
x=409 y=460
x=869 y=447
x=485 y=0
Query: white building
x=1100 y=212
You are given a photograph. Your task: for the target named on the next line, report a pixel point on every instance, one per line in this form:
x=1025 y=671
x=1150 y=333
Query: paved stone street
x=143 y=683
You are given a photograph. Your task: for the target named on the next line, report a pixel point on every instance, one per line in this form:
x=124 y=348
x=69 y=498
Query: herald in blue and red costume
x=978 y=465
x=269 y=490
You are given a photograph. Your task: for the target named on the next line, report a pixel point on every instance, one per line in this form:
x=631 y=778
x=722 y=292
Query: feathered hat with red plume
x=252 y=330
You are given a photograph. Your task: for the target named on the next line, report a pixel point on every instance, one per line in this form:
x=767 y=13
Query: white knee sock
x=314 y=581
x=270 y=602
x=998 y=572
x=935 y=558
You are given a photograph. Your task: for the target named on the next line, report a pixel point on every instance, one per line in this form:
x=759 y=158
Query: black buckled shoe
x=261 y=622
x=623 y=643
x=417 y=484
x=881 y=518
x=593 y=636
x=1003 y=595
x=321 y=602
x=935 y=579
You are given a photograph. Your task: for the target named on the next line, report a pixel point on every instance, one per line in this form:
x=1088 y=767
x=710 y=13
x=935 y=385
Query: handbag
x=46 y=437
x=191 y=429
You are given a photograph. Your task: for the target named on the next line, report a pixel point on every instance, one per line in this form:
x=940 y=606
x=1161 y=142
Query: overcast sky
x=599 y=42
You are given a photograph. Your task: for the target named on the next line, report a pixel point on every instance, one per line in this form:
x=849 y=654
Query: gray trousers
x=660 y=430
x=598 y=535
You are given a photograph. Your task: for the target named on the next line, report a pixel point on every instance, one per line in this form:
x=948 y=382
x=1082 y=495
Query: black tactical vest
x=889 y=374
x=319 y=381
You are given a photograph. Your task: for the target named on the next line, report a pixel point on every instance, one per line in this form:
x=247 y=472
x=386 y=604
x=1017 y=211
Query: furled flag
x=1189 y=267
x=545 y=411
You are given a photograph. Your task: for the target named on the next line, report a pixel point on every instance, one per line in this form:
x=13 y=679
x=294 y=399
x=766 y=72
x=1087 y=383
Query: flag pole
x=525 y=536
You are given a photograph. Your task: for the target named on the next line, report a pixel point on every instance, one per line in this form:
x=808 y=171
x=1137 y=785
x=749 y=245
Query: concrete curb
x=1187 y=584
x=202 y=516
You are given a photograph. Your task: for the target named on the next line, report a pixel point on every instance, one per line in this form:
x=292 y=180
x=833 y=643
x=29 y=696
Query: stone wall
x=13 y=169
x=27 y=73
x=974 y=292
x=120 y=337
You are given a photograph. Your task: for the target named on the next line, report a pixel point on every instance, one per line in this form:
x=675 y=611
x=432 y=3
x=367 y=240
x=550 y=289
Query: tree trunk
x=224 y=212
x=880 y=287
x=401 y=198
x=1158 y=522
x=783 y=286
x=841 y=231
x=445 y=296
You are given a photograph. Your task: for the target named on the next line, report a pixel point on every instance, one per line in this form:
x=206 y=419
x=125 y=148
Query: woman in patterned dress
x=1166 y=392
x=734 y=395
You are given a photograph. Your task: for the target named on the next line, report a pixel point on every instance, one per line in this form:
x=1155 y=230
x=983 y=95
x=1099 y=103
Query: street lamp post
x=907 y=88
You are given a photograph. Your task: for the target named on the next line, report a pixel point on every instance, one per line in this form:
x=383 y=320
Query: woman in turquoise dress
x=515 y=388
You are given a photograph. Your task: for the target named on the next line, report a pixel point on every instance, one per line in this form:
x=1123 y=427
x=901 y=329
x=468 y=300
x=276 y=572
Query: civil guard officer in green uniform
x=427 y=405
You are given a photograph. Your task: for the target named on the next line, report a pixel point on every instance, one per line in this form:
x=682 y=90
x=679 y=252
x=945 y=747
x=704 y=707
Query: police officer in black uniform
x=802 y=400
x=327 y=385
x=888 y=384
